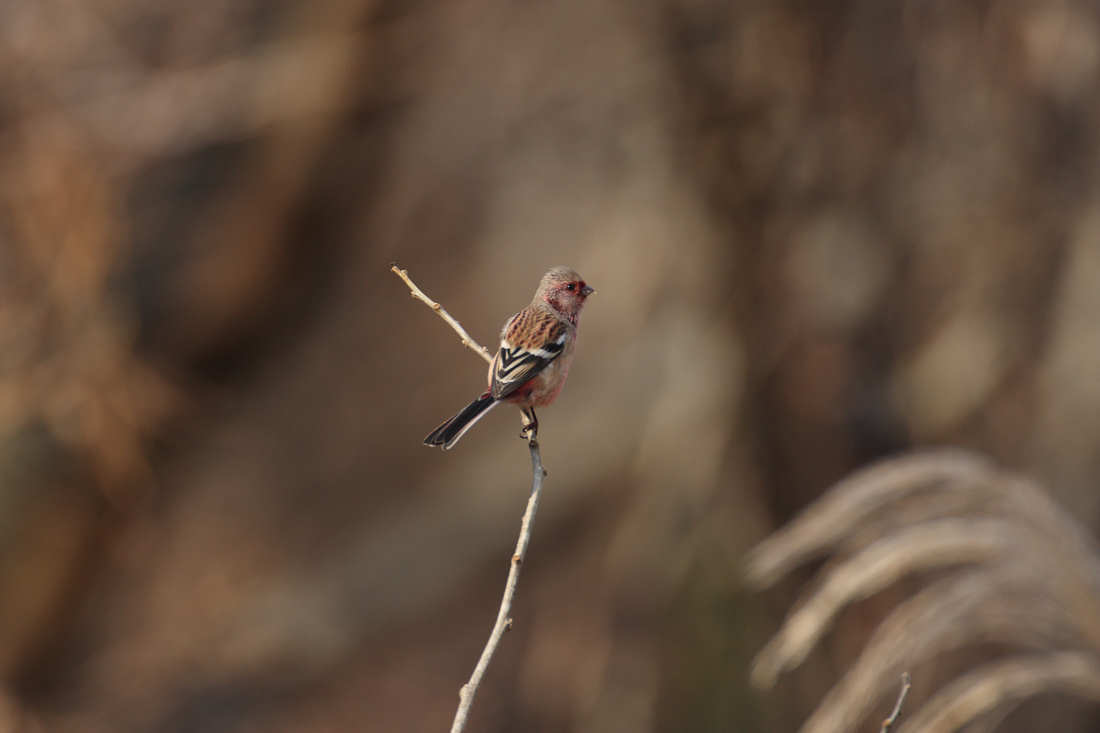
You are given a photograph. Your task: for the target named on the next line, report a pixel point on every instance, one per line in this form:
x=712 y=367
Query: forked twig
x=504 y=621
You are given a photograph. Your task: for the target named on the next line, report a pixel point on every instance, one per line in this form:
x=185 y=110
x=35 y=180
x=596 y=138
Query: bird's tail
x=449 y=432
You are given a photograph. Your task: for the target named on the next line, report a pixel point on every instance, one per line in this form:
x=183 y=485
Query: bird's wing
x=529 y=342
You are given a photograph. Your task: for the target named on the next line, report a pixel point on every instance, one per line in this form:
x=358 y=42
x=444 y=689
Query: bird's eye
x=571 y=286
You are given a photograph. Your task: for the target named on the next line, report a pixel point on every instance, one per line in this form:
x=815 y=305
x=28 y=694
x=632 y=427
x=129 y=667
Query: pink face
x=568 y=295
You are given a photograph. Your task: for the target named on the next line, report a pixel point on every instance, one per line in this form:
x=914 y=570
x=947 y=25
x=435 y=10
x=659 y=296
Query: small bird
x=536 y=348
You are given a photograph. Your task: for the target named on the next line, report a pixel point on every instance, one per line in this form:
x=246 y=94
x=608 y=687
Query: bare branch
x=906 y=683
x=417 y=293
x=504 y=622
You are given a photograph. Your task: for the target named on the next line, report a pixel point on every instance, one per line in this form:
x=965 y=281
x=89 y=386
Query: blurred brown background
x=821 y=233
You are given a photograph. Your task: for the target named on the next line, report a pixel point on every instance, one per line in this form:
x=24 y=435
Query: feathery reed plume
x=1010 y=568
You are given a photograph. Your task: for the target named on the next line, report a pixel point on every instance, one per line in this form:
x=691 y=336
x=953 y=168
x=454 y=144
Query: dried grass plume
x=1008 y=567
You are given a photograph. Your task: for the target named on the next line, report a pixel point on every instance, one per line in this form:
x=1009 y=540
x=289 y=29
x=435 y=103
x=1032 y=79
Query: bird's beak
x=586 y=291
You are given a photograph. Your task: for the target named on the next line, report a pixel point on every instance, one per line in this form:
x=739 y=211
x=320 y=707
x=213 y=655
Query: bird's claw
x=530 y=428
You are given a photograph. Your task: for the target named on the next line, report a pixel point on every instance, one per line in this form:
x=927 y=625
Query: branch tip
x=419 y=294
x=906 y=683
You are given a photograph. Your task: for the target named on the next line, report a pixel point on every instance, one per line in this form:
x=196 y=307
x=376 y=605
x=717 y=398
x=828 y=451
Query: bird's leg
x=530 y=424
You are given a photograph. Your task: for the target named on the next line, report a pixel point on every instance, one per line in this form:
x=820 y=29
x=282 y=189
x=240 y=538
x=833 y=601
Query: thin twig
x=504 y=622
x=906 y=683
x=417 y=293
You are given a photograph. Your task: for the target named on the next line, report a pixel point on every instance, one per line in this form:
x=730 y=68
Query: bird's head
x=565 y=291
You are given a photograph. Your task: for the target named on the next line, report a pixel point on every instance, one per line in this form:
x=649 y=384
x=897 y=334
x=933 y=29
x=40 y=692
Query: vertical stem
x=504 y=621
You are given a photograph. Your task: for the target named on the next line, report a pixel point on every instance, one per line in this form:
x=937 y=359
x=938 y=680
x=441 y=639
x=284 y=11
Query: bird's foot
x=530 y=430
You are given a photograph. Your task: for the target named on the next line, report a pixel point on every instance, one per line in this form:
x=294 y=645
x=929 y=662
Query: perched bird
x=536 y=347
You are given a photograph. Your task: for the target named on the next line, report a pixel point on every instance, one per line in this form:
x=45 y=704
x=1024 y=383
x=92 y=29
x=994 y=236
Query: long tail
x=449 y=432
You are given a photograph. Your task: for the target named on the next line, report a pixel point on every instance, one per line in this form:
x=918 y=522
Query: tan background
x=821 y=233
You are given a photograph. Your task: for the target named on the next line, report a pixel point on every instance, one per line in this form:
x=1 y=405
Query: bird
x=536 y=349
